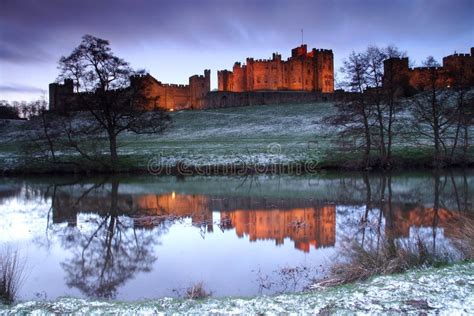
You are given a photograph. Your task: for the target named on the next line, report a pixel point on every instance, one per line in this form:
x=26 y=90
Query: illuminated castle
x=304 y=71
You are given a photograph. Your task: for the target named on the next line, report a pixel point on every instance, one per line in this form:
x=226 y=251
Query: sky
x=176 y=39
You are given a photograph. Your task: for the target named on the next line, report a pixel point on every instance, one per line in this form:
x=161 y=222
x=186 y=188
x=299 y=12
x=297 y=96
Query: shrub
x=197 y=292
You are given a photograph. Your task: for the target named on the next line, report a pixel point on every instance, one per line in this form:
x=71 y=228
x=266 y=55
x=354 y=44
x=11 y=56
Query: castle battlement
x=424 y=68
x=322 y=50
x=139 y=75
x=174 y=85
x=458 y=55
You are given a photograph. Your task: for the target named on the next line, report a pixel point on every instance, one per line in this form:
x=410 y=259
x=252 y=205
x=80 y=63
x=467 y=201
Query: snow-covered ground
x=445 y=291
x=254 y=135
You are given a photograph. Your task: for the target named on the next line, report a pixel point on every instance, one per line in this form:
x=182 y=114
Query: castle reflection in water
x=306 y=222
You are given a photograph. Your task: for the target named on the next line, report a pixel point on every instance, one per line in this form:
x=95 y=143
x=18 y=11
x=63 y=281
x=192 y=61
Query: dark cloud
x=20 y=89
x=30 y=27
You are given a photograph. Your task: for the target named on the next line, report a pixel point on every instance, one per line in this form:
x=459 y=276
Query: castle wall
x=221 y=99
x=422 y=78
x=173 y=97
x=165 y=96
x=177 y=97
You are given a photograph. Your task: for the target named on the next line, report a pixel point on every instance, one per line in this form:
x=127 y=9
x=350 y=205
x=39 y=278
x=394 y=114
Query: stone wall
x=222 y=99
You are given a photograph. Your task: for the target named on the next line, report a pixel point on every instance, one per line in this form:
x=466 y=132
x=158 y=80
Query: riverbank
x=256 y=139
x=447 y=290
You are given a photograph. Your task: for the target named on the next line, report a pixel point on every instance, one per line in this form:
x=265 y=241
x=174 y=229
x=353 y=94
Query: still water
x=143 y=237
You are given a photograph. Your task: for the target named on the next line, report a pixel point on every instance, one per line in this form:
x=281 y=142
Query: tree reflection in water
x=109 y=252
x=393 y=237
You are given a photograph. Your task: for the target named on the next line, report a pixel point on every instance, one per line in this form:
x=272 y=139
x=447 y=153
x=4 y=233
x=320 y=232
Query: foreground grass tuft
x=11 y=275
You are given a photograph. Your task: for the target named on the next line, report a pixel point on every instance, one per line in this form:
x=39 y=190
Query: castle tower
x=300 y=51
x=324 y=70
x=396 y=72
x=460 y=69
x=224 y=80
x=199 y=87
x=59 y=93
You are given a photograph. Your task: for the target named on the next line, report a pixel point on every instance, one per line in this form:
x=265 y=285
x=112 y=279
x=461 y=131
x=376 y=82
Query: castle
x=304 y=71
x=457 y=70
x=306 y=74
x=305 y=77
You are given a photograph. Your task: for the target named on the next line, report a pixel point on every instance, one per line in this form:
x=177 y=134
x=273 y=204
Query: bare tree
x=370 y=111
x=433 y=113
x=464 y=114
x=354 y=115
x=383 y=99
x=102 y=82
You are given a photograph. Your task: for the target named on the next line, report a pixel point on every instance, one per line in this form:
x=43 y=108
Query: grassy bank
x=446 y=290
x=287 y=137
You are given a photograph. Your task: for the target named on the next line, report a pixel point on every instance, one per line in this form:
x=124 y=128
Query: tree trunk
x=455 y=144
x=383 y=157
x=435 y=209
x=48 y=137
x=434 y=112
x=368 y=205
x=389 y=134
x=368 y=143
x=113 y=150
